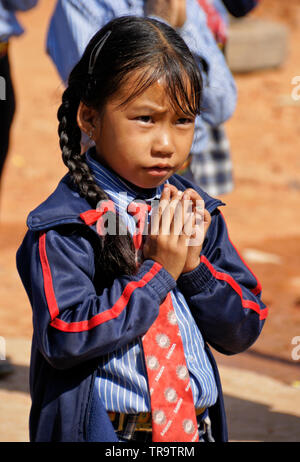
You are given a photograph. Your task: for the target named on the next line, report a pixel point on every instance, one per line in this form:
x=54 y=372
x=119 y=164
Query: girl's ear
x=87 y=118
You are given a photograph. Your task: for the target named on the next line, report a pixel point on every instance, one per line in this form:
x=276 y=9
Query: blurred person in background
x=9 y=27
x=74 y=22
x=217 y=149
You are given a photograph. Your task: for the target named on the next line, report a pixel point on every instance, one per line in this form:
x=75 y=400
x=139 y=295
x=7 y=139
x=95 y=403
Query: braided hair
x=122 y=46
x=117 y=252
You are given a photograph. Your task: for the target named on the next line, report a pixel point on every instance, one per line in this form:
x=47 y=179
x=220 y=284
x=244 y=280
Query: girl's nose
x=163 y=143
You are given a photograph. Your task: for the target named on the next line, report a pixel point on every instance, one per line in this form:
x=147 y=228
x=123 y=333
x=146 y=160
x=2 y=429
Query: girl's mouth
x=157 y=170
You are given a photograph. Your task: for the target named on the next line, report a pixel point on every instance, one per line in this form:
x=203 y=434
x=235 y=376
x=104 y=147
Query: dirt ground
x=262 y=385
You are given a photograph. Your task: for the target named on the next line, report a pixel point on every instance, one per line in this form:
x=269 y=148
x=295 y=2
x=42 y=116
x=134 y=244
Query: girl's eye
x=185 y=121
x=145 y=119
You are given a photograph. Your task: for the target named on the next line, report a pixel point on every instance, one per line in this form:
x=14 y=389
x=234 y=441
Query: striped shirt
x=122 y=378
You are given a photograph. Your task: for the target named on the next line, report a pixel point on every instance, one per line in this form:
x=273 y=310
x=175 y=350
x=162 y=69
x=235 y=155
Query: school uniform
x=86 y=361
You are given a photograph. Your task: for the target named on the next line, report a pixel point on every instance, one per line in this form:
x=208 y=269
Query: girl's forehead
x=137 y=89
x=137 y=85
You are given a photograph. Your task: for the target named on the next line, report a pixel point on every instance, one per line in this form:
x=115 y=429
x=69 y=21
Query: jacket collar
x=63 y=206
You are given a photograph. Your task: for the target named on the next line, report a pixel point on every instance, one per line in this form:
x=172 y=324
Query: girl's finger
x=198 y=202
x=193 y=195
x=169 y=211
x=184 y=237
x=189 y=225
x=183 y=217
x=207 y=220
x=158 y=209
x=188 y=215
x=177 y=222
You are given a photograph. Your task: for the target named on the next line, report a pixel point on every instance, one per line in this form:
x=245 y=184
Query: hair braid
x=117 y=252
x=69 y=140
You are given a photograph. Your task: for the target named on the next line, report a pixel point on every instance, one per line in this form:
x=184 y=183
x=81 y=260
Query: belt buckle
x=144 y=422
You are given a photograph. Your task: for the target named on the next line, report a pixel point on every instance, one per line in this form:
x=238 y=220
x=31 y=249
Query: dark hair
x=132 y=43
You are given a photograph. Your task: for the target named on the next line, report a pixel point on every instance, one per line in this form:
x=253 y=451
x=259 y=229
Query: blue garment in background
x=9 y=25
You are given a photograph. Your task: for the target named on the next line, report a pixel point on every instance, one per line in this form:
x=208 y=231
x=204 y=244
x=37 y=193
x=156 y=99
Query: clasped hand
x=177 y=230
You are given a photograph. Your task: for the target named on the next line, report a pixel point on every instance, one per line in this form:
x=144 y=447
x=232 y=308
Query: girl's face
x=146 y=140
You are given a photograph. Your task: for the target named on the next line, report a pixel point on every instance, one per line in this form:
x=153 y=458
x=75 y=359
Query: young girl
x=95 y=294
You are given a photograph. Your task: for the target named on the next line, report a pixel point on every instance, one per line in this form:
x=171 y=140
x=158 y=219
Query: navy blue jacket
x=76 y=319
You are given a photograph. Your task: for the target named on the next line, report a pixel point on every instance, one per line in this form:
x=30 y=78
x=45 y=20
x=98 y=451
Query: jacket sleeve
x=73 y=323
x=223 y=293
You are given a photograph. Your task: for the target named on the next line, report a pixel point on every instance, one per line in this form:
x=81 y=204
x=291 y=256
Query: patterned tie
x=172 y=406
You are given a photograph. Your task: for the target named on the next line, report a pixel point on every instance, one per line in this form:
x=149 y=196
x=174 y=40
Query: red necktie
x=172 y=406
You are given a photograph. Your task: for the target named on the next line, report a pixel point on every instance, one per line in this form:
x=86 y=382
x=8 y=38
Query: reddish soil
x=263 y=211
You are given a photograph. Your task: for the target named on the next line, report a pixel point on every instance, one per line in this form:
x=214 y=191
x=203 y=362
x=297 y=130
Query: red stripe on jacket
x=48 y=284
x=104 y=316
x=258 y=288
x=263 y=313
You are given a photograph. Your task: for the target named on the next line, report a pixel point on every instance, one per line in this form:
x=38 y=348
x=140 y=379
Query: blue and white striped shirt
x=9 y=25
x=122 y=378
x=74 y=22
